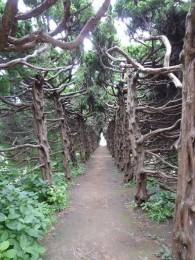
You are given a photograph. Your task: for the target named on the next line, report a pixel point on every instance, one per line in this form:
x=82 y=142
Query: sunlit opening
x=102 y=140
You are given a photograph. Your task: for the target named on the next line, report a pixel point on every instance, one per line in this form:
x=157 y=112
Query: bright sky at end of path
x=102 y=140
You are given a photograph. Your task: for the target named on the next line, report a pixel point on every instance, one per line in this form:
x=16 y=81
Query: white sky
x=102 y=140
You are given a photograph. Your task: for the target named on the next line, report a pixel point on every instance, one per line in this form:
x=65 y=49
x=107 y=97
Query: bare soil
x=99 y=224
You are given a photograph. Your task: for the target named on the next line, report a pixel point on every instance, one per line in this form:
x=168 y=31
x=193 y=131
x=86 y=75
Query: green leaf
x=39 y=249
x=23 y=241
x=24 y=209
x=11 y=253
x=2 y=217
x=28 y=219
x=4 y=235
x=4 y=245
x=29 y=249
x=20 y=226
x=12 y=225
x=33 y=232
x=13 y=216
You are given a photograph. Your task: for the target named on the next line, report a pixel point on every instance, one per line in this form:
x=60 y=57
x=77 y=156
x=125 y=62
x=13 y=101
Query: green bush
x=34 y=183
x=27 y=209
x=23 y=221
x=75 y=172
x=160 y=205
x=57 y=196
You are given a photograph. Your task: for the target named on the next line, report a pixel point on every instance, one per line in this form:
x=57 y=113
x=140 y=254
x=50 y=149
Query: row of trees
x=144 y=135
x=39 y=107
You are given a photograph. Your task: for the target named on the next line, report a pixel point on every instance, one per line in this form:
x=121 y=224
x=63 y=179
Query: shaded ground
x=99 y=225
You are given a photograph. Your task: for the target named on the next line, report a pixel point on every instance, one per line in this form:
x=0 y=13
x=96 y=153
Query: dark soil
x=100 y=224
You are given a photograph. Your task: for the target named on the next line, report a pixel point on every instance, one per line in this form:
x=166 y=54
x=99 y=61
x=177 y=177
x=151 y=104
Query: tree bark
x=110 y=136
x=184 y=220
x=72 y=152
x=65 y=143
x=11 y=9
x=83 y=144
x=41 y=129
x=136 y=139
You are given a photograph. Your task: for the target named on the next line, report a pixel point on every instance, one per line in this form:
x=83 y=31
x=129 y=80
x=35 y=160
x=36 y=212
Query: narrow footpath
x=99 y=225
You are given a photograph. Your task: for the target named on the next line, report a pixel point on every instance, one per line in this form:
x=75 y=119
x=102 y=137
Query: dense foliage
x=28 y=205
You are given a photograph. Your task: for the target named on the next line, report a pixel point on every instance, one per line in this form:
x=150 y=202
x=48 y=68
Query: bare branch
x=60 y=71
x=12 y=63
x=41 y=36
x=40 y=68
x=161 y=173
x=71 y=94
x=36 y=11
x=167 y=44
x=86 y=29
x=158 y=131
x=136 y=65
x=14 y=104
x=161 y=159
x=19 y=147
x=64 y=20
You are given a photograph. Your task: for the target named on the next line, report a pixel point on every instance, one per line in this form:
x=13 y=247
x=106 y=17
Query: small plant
x=130 y=183
x=164 y=254
x=75 y=172
x=57 y=196
x=160 y=205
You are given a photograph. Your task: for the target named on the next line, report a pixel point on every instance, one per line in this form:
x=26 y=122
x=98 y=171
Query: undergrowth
x=160 y=205
x=130 y=183
x=164 y=252
x=27 y=210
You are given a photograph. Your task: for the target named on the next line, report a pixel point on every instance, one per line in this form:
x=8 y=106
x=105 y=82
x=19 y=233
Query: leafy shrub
x=22 y=223
x=27 y=210
x=34 y=183
x=75 y=172
x=160 y=206
x=57 y=196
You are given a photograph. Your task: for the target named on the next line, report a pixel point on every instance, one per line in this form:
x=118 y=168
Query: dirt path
x=98 y=226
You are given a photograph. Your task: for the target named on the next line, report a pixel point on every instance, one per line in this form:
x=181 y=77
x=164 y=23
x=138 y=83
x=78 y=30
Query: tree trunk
x=184 y=219
x=128 y=176
x=41 y=129
x=120 y=131
x=73 y=156
x=65 y=143
x=110 y=137
x=136 y=138
x=83 y=144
